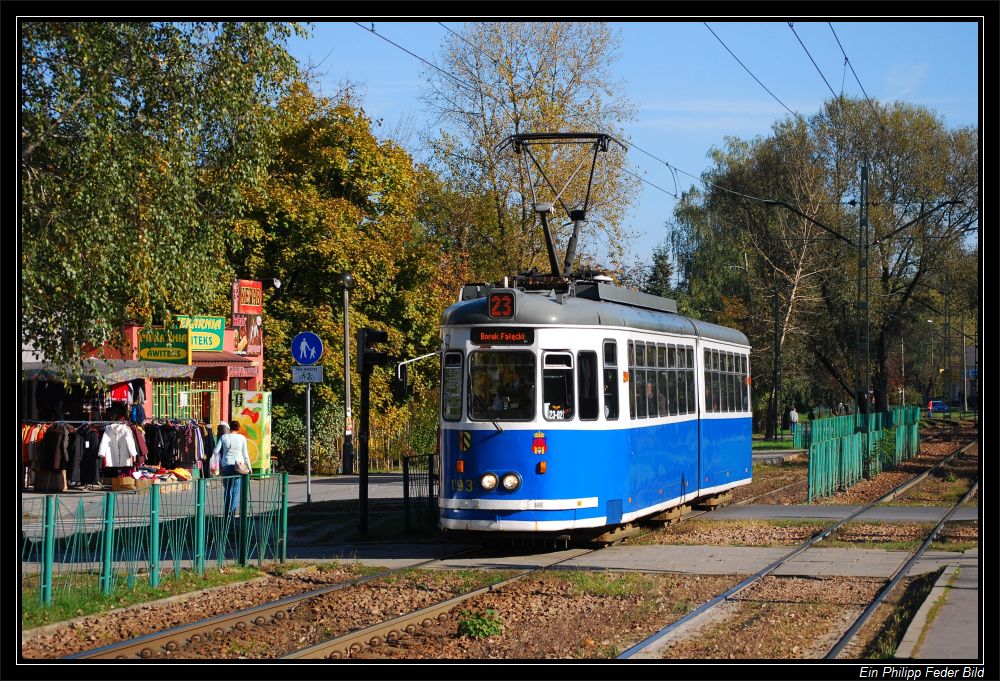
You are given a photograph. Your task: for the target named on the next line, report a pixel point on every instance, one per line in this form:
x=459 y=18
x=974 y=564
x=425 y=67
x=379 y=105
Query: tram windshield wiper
x=489 y=411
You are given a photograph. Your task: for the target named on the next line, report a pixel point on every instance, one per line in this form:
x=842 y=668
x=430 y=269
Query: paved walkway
x=947 y=626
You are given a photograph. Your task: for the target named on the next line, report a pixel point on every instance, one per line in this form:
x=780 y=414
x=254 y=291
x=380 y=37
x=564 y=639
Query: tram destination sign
x=503 y=335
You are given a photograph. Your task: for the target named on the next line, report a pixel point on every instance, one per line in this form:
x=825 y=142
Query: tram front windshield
x=502 y=385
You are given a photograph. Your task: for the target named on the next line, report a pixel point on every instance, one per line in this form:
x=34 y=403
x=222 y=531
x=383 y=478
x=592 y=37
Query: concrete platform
x=699 y=560
x=947 y=625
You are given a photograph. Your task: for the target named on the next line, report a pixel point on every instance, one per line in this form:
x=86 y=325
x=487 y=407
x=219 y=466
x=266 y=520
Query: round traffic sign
x=307 y=348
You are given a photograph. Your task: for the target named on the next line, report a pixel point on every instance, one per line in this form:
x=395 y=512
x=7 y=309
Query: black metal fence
x=419 y=490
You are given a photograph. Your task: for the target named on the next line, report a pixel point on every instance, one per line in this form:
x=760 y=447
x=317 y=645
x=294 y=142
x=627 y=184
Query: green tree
x=338 y=199
x=137 y=141
x=732 y=247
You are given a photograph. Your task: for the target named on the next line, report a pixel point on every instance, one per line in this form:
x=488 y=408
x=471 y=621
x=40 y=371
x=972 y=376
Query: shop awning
x=106 y=371
x=204 y=358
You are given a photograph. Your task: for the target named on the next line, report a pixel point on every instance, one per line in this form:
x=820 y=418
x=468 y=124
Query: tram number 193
x=460 y=485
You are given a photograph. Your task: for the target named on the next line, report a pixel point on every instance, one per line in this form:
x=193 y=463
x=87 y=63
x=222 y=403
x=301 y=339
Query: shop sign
x=249 y=336
x=165 y=345
x=207 y=333
x=248 y=297
x=243 y=372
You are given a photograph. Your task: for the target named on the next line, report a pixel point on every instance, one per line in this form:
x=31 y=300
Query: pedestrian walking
x=793 y=419
x=235 y=461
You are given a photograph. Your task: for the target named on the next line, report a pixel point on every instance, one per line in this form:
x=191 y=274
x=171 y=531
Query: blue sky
x=689 y=90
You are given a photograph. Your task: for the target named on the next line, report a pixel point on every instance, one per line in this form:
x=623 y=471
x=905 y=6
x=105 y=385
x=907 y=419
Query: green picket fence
x=94 y=544
x=837 y=451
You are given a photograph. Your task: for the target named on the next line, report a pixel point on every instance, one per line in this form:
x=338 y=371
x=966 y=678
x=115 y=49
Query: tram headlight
x=511 y=481
x=488 y=482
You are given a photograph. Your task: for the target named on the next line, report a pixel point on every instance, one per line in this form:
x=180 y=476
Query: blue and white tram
x=587 y=409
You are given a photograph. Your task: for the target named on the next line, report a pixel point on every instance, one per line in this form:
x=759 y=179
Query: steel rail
x=356 y=641
x=144 y=647
x=756 y=577
x=900 y=573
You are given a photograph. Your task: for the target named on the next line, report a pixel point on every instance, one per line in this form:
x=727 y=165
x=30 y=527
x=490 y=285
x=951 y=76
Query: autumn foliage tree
x=526 y=77
x=338 y=199
x=138 y=140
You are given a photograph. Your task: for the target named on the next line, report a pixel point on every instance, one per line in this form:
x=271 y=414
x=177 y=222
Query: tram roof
x=549 y=307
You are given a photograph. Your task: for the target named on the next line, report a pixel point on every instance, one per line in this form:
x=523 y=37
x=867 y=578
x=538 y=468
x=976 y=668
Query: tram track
x=354 y=642
x=177 y=638
x=147 y=646
x=704 y=611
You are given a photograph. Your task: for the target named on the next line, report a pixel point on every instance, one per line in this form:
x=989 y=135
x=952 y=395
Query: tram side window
x=451 y=384
x=640 y=380
x=632 y=378
x=651 y=392
x=727 y=389
x=557 y=386
x=672 y=378
x=682 y=381
x=663 y=395
x=706 y=373
x=610 y=380
x=738 y=381
x=502 y=385
x=587 y=385
x=744 y=388
x=716 y=383
x=692 y=397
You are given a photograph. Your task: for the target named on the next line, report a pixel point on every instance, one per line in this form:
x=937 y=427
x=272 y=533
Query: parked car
x=937 y=406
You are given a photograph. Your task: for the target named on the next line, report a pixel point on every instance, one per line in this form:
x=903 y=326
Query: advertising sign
x=207 y=333
x=165 y=345
x=248 y=297
x=252 y=408
x=249 y=337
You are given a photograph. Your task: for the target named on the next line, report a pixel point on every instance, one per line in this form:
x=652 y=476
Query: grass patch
x=607 y=584
x=85 y=598
x=772 y=444
x=883 y=646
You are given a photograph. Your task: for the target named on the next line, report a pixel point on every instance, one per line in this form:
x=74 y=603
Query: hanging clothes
x=140 y=443
x=190 y=449
x=89 y=441
x=168 y=455
x=55 y=447
x=117 y=448
x=120 y=392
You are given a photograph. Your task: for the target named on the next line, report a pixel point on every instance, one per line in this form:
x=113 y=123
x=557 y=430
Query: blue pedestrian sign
x=307 y=348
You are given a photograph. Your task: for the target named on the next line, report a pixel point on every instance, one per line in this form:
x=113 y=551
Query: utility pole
x=902 y=369
x=947 y=341
x=863 y=370
x=347 y=283
x=965 y=371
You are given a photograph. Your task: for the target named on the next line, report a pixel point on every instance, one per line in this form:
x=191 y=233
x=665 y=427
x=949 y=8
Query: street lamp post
x=347 y=283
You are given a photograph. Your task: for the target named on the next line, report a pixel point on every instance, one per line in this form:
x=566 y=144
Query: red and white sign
x=248 y=297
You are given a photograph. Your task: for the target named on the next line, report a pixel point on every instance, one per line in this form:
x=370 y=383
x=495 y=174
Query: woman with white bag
x=234 y=459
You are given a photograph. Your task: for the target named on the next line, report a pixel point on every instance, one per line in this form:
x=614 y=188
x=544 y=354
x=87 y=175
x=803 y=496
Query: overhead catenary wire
x=794 y=113
x=672 y=168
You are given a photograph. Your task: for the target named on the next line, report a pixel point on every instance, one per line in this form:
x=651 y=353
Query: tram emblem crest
x=538 y=444
x=464 y=440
